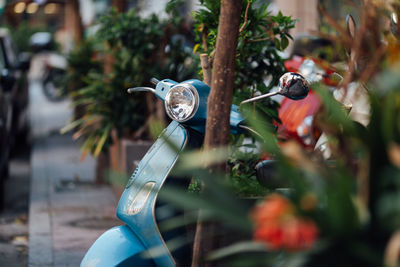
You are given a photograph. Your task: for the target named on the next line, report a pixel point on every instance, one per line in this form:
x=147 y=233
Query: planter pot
x=125 y=155
x=102 y=167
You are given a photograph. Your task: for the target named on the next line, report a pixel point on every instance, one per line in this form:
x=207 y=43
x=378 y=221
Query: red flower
x=300 y=234
x=277 y=225
x=272 y=233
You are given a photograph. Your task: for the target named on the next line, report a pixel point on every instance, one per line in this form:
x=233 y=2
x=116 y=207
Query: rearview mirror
x=293 y=86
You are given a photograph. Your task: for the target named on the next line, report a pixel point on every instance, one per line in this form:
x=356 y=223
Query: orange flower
x=277 y=225
x=273 y=207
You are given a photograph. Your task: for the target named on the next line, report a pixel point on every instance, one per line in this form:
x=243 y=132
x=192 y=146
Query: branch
x=206 y=67
x=335 y=25
x=245 y=16
x=204 y=38
x=258 y=40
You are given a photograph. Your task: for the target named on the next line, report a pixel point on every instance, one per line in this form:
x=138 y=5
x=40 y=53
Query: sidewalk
x=67 y=210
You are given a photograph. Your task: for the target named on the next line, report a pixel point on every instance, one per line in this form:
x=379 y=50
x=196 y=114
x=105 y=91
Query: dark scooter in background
x=54 y=66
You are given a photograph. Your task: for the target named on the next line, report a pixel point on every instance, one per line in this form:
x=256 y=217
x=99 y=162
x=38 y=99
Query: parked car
x=6 y=114
x=13 y=101
x=13 y=79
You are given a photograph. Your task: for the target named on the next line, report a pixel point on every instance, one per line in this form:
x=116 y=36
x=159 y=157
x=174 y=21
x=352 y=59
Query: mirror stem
x=258 y=97
x=154 y=81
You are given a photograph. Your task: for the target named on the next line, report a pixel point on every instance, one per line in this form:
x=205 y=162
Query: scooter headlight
x=181 y=102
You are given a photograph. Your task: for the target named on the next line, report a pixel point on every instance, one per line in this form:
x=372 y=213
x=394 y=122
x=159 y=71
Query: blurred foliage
x=338 y=9
x=352 y=198
x=127 y=51
x=82 y=61
x=321 y=47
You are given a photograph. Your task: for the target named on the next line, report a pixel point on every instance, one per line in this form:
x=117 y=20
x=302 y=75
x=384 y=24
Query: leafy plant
x=134 y=50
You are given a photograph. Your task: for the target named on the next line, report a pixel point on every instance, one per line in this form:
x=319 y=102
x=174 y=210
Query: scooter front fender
x=137 y=204
x=120 y=247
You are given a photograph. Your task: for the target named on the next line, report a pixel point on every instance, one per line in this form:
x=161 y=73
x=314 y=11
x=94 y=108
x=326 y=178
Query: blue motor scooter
x=186 y=105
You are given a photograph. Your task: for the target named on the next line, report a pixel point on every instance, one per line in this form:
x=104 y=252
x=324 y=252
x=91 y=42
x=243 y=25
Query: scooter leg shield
x=120 y=247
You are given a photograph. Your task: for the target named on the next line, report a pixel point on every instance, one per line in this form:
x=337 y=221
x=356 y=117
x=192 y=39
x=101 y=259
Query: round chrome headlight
x=181 y=102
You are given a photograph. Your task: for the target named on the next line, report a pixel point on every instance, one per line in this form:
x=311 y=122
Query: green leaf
x=71 y=126
x=277 y=43
x=102 y=140
x=242 y=247
x=284 y=42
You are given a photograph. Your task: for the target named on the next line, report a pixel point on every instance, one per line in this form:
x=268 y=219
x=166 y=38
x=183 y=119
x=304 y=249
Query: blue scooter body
x=117 y=247
x=137 y=204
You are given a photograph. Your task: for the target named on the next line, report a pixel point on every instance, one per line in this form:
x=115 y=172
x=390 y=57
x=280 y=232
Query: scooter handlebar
x=141 y=89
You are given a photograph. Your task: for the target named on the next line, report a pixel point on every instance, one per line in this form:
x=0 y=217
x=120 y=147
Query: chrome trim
x=259 y=97
x=140 y=199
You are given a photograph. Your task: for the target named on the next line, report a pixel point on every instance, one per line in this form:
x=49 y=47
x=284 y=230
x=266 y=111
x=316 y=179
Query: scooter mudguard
x=120 y=247
x=137 y=204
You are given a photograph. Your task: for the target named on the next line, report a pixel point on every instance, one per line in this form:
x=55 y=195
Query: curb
x=40 y=234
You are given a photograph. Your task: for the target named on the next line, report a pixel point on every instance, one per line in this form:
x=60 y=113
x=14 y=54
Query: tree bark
x=206 y=67
x=120 y=5
x=223 y=76
x=102 y=165
x=73 y=20
x=218 y=112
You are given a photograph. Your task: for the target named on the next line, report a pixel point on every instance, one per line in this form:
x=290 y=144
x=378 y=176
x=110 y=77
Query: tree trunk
x=102 y=165
x=223 y=76
x=120 y=5
x=219 y=107
x=73 y=20
x=73 y=24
